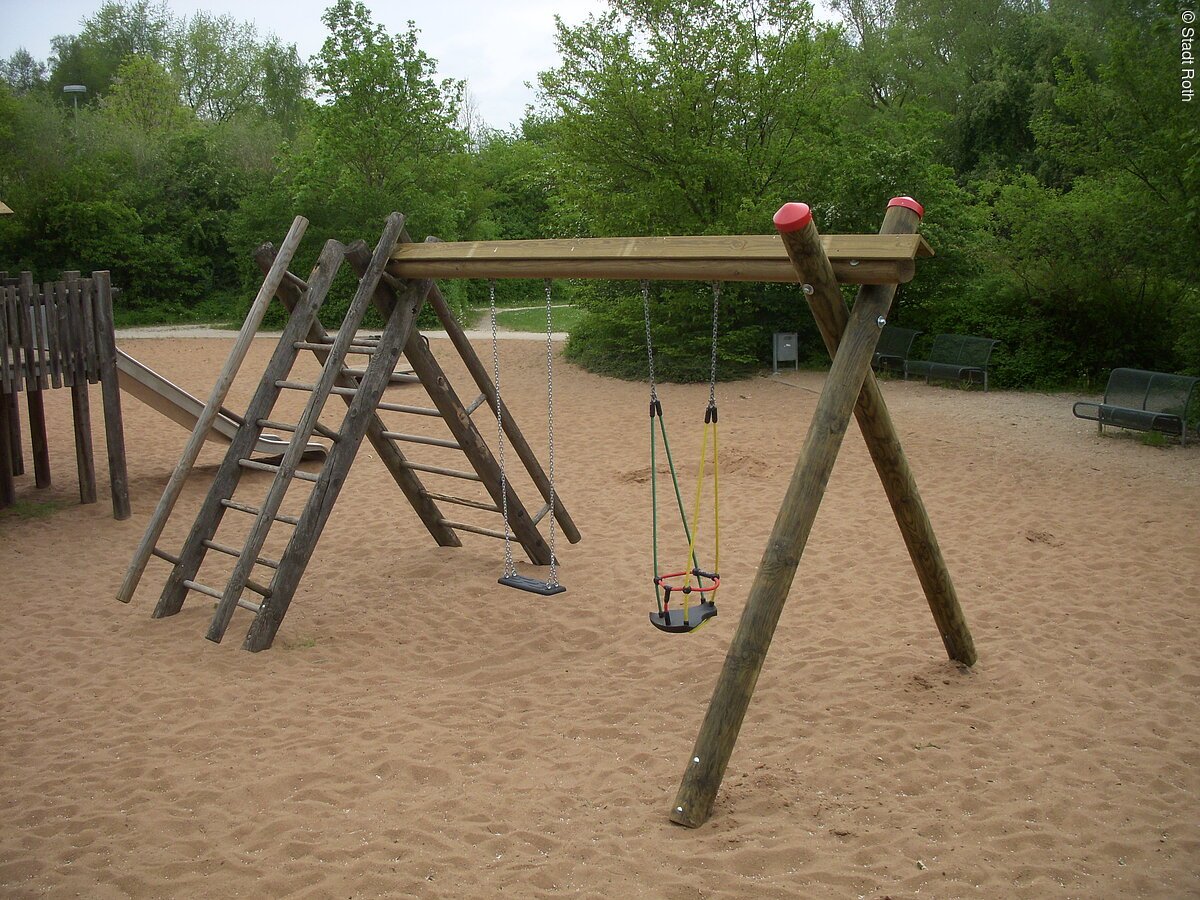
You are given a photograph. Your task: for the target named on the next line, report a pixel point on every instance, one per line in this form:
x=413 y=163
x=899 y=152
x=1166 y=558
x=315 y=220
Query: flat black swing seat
x=533 y=585
x=673 y=621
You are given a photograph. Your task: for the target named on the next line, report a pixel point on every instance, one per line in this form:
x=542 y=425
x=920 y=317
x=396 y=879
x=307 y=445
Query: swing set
x=797 y=253
x=398 y=279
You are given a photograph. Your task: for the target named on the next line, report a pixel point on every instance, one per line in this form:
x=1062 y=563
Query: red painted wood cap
x=908 y=203
x=792 y=217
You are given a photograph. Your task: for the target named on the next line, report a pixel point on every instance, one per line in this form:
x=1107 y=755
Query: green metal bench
x=954 y=357
x=894 y=345
x=1146 y=401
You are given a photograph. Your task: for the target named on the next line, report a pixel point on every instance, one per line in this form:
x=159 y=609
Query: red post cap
x=908 y=203
x=792 y=217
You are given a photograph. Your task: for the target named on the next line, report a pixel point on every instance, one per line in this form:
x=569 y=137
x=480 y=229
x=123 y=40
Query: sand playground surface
x=418 y=730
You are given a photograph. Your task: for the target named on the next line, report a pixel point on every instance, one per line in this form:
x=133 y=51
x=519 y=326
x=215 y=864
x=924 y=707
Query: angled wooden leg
x=768 y=593
x=883 y=443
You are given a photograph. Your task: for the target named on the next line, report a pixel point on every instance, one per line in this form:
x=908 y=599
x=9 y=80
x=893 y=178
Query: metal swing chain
x=712 y=378
x=552 y=581
x=649 y=343
x=510 y=567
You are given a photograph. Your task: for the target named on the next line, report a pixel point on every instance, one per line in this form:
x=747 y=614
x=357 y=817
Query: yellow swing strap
x=710 y=421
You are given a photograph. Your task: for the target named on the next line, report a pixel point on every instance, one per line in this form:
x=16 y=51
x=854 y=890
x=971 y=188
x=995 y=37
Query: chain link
x=649 y=343
x=510 y=567
x=552 y=581
x=712 y=378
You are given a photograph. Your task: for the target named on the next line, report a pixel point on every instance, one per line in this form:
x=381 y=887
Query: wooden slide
x=168 y=398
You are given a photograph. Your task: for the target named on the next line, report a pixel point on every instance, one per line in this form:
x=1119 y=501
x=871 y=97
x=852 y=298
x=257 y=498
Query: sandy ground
x=419 y=731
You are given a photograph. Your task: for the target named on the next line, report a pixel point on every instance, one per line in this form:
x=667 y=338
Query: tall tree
x=690 y=114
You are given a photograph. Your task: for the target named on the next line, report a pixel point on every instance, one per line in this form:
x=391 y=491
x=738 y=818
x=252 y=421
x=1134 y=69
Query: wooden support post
x=771 y=585
x=114 y=425
x=16 y=451
x=85 y=461
x=35 y=404
x=212 y=408
x=902 y=217
x=8 y=488
x=289 y=293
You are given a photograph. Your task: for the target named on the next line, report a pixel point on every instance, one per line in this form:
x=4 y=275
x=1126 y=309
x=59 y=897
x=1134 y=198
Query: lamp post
x=75 y=90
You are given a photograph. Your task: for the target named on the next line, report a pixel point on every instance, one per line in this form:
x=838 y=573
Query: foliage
x=1059 y=167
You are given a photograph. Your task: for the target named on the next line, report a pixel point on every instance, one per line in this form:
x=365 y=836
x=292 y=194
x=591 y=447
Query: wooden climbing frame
x=59 y=335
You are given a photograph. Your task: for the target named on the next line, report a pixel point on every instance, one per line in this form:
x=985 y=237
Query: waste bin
x=785 y=350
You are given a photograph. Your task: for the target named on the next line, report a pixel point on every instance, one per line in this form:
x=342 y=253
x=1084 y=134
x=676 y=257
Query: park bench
x=954 y=356
x=894 y=345
x=1145 y=401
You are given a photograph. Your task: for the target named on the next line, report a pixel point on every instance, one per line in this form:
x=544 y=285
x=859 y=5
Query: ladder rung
x=163 y=554
x=268 y=467
x=260 y=589
x=326 y=342
x=475 y=404
x=364 y=349
x=324 y=430
x=249 y=604
x=463 y=501
x=541 y=514
x=438 y=470
x=233 y=551
x=254 y=511
x=202 y=589
x=474 y=529
x=421 y=439
x=394 y=378
x=412 y=410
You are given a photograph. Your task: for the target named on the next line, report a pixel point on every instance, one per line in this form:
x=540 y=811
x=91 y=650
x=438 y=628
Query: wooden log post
x=903 y=215
x=27 y=309
x=36 y=406
x=769 y=591
x=16 y=451
x=85 y=460
x=114 y=426
x=8 y=487
x=212 y=409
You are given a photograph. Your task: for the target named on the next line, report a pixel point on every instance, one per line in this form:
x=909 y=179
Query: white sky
x=497 y=45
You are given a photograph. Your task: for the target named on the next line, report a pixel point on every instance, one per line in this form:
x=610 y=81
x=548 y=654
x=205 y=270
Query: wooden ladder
x=361 y=388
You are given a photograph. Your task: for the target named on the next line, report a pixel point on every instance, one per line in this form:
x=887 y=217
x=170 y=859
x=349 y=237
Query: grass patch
x=34 y=509
x=562 y=318
x=1154 y=439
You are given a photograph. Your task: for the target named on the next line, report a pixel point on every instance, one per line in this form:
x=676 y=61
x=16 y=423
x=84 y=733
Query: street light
x=75 y=90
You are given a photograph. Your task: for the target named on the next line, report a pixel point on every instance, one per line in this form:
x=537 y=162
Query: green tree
x=22 y=72
x=107 y=39
x=146 y=95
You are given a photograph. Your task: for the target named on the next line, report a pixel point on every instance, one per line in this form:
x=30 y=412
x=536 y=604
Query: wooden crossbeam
x=856 y=258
